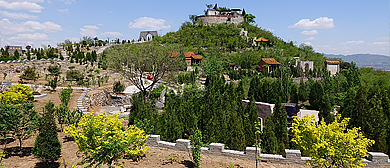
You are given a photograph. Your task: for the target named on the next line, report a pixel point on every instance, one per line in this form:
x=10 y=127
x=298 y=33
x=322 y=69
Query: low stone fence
x=375 y=159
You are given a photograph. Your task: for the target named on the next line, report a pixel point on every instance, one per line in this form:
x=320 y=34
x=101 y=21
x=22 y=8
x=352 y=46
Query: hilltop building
x=332 y=66
x=221 y=15
x=147 y=35
x=12 y=49
x=268 y=64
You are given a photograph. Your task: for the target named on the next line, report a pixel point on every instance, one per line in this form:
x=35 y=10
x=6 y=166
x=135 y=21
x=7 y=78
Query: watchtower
x=147 y=35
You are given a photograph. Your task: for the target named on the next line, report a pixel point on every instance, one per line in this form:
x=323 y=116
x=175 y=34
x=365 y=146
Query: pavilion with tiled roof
x=192 y=58
x=268 y=64
x=262 y=41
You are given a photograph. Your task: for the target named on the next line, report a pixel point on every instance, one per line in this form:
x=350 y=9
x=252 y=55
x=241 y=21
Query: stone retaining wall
x=375 y=159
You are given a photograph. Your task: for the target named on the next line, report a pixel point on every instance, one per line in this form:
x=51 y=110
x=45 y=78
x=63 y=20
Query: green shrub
x=118 y=87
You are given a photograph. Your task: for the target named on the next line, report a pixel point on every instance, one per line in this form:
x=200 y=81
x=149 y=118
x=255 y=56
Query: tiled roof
x=197 y=57
x=270 y=61
x=332 y=62
x=261 y=39
x=175 y=53
x=189 y=53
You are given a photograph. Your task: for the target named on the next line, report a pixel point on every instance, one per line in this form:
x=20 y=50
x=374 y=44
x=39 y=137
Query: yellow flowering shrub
x=330 y=145
x=23 y=89
x=103 y=140
x=18 y=94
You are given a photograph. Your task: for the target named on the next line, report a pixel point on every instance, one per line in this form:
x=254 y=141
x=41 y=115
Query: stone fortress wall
x=375 y=159
x=221 y=19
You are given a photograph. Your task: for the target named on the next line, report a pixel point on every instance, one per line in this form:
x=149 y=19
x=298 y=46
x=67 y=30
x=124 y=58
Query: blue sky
x=330 y=26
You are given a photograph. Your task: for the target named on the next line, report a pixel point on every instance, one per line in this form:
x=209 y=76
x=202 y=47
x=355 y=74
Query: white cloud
x=68 y=1
x=63 y=10
x=45 y=26
x=8 y=27
x=111 y=34
x=270 y=30
x=310 y=38
x=18 y=15
x=384 y=38
x=379 y=43
x=353 y=42
x=29 y=6
x=308 y=43
x=319 y=23
x=89 y=30
x=149 y=23
x=37 y=1
x=311 y=32
x=31 y=37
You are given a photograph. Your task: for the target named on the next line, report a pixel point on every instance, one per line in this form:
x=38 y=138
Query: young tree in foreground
x=22 y=119
x=102 y=140
x=331 y=145
x=196 y=143
x=47 y=147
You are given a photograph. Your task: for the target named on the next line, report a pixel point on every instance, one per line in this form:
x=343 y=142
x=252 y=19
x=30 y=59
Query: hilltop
x=235 y=43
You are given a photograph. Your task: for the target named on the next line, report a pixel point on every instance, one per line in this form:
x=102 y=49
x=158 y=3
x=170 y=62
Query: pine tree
x=47 y=147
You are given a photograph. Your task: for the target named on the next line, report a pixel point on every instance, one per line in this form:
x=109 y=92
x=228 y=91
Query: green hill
x=228 y=43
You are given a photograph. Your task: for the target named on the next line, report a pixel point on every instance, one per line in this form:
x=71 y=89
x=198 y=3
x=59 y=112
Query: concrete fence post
x=217 y=148
x=378 y=157
x=183 y=144
x=152 y=140
x=251 y=152
x=292 y=154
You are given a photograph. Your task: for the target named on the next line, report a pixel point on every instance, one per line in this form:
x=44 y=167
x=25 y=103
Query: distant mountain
x=380 y=62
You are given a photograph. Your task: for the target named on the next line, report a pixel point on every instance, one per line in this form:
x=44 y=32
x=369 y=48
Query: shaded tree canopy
x=136 y=62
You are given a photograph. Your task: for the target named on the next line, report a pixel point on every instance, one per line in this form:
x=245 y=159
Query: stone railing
x=375 y=159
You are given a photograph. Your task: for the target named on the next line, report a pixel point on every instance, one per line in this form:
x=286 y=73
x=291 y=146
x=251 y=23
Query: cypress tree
x=293 y=91
x=377 y=124
x=236 y=136
x=302 y=91
x=47 y=147
x=249 y=118
x=325 y=110
x=254 y=88
x=268 y=139
x=170 y=125
x=316 y=95
x=280 y=120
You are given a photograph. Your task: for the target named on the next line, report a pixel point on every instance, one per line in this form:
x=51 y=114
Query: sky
x=329 y=26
